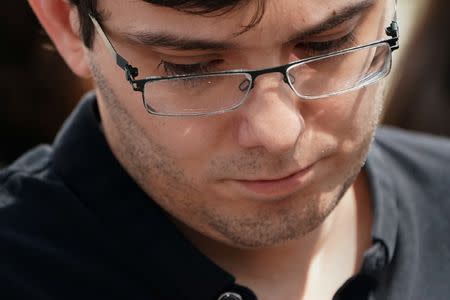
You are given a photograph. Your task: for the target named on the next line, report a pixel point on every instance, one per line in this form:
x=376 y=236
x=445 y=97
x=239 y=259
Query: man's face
x=266 y=173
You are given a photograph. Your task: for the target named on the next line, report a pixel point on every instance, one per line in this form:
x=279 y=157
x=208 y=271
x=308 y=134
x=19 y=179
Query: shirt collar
x=150 y=245
x=384 y=196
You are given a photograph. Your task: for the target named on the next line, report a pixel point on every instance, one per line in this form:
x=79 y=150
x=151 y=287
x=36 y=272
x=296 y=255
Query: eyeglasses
x=213 y=93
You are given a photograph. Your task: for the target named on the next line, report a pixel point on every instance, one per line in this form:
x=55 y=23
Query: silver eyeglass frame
x=132 y=72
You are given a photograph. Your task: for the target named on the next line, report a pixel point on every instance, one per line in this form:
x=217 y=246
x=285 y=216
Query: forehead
x=280 y=19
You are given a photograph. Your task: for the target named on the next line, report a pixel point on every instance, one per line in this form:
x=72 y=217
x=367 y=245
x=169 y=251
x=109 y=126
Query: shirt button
x=230 y=296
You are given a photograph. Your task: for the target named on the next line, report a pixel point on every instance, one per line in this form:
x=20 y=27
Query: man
x=227 y=162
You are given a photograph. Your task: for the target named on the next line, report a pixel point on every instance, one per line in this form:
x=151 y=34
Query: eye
x=172 y=69
x=323 y=47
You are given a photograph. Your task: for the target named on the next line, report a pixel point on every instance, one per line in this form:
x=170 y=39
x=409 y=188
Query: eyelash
x=311 y=49
x=171 y=69
x=317 y=48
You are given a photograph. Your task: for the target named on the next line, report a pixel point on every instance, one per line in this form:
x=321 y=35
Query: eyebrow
x=338 y=18
x=175 y=42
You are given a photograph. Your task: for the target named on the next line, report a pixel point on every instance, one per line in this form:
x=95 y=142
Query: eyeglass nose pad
x=291 y=78
x=245 y=85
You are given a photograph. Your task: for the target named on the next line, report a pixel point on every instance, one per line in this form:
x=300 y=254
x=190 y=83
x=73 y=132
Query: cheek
x=190 y=142
x=345 y=112
x=347 y=119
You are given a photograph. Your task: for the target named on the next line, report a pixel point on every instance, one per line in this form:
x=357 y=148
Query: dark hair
x=199 y=7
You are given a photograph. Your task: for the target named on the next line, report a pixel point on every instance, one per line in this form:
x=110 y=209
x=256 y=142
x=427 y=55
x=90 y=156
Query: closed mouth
x=278 y=186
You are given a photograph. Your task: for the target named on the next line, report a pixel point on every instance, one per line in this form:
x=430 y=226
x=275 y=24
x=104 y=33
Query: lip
x=281 y=187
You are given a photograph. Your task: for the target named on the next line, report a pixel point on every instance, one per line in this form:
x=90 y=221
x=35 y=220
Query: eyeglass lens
x=318 y=78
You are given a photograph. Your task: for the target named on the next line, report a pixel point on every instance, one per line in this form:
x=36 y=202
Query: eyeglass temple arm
x=130 y=71
x=393 y=30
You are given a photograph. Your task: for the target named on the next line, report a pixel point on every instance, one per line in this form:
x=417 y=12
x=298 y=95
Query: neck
x=318 y=262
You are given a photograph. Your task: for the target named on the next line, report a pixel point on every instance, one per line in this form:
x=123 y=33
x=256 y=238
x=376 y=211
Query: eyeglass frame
x=138 y=85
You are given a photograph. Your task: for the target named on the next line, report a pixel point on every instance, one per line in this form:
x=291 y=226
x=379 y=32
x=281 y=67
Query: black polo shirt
x=74 y=225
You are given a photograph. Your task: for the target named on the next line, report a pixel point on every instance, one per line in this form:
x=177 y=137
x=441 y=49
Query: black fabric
x=74 y=225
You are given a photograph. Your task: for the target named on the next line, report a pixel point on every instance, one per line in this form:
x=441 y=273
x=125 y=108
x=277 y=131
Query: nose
x=271 y=116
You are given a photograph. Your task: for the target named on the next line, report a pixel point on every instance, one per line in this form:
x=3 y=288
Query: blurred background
x=39 y=91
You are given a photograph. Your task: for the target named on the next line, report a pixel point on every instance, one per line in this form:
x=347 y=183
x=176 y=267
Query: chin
x=268 y=225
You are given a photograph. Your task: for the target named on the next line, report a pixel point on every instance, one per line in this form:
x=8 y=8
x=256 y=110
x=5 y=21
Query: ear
x=60 y=20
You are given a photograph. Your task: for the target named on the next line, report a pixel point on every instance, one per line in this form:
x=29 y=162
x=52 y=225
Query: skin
x=194 y=167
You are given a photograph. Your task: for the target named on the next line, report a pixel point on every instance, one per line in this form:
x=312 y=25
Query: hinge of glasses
x=393 y=31
x=130 y=73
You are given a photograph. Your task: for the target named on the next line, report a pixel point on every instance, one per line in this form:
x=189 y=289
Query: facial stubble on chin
x=156 y=172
